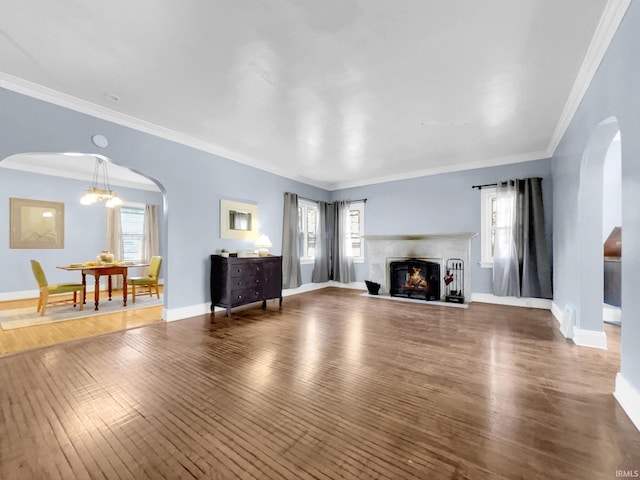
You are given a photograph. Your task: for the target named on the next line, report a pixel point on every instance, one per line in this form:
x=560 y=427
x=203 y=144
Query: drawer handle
x=239 y=296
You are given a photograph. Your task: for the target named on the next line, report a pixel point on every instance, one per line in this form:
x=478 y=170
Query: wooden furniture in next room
x=238 y=281
x=151 y=280
x=46 y=289
x=99 y=271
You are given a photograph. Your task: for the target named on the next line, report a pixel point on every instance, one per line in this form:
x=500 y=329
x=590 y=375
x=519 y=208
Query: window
x=308 y=225
x=356 y=230
x=132 y=232
x=496 y=225
x=488 y=203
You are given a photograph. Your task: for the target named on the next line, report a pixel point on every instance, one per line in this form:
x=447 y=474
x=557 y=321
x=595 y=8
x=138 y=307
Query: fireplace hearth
x=415 y=278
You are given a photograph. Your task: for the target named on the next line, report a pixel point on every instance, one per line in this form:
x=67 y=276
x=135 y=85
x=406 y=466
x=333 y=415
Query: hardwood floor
x=333 y=385
x=18 y=340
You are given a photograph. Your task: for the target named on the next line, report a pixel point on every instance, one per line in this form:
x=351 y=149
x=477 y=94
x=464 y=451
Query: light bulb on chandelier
x=95 y=194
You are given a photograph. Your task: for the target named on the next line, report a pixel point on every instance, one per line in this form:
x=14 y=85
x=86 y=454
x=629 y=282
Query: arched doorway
x=612 y=233
x=589 y=321
x=63 y=178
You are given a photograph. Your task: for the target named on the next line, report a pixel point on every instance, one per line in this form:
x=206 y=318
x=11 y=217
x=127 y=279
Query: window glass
x=132 y=231
x=356 y=230
x=488 y=206
x=308 y=225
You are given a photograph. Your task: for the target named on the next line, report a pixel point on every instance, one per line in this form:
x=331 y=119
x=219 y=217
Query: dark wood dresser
x=238 y=281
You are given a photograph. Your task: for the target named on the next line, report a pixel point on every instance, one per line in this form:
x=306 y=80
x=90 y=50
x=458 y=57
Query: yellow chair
x=151 y=280
x=46 y=289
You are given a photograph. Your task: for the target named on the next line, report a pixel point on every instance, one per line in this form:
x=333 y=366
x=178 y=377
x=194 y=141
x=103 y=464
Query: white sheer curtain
x=114 y=240
x=150 y=236
x=506 y=278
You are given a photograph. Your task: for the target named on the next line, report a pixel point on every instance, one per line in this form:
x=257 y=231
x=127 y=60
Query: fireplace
x=415 y=278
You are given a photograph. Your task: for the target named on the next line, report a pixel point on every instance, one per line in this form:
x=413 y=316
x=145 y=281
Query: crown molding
x=607 y=27
x=55 y=97
x=24 y=87
x=493 y=162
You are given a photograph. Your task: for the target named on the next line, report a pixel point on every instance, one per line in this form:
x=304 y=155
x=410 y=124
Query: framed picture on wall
x=36 y=224
x=238 y=220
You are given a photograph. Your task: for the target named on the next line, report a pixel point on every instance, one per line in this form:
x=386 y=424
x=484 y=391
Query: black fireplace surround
x=415 y=278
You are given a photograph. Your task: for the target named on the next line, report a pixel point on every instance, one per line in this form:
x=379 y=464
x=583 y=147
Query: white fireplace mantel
x=436 y=247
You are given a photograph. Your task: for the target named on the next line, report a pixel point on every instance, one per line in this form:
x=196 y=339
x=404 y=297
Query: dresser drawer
x=246 y=295
x=238 y=283
x=245 y=270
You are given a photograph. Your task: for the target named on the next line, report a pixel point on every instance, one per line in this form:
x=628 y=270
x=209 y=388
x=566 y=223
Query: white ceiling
x=335 y=93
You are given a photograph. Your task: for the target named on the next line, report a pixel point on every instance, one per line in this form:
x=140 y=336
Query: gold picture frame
x=36 y=224
x=238 y=221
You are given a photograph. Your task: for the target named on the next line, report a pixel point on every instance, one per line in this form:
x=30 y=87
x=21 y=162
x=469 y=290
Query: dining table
x=101 y=270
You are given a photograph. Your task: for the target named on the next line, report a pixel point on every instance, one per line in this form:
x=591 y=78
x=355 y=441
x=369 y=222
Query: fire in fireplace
x=414 y=278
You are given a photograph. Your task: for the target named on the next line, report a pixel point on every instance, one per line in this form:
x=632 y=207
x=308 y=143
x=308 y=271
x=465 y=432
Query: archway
x=589 y=325
x=612 y=233
x=40 y=176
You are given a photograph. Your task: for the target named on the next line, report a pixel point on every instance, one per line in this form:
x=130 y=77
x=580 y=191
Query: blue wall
x=614 y=92
x=85 y=226
x=443 y=203
x=194 y=182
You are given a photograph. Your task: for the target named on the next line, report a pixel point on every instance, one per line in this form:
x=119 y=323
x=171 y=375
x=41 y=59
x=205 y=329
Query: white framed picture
x=238 y=220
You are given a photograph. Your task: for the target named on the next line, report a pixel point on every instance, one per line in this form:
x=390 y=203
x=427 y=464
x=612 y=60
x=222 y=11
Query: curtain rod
x=364 y=200
x=486 y=185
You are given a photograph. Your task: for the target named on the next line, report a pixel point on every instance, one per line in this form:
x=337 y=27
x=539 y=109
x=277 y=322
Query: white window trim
x=306 y=204
x=360 y=207
x=487 y=194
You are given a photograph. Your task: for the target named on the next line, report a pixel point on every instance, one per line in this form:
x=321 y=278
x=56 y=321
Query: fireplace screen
x=415 y=279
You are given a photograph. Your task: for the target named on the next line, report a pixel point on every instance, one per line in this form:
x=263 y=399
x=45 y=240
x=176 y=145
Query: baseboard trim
x=173 y=314
x=22 y=295
x=542 y=303
x=628 y=398
x=310 y=287
x=557 y=313
x=28 y=294
x=590 y=338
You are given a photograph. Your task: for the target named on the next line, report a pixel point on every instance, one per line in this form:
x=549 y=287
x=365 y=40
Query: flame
x=416 y=280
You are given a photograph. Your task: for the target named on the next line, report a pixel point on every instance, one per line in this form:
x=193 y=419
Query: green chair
x=46 y=289
x=151 y=280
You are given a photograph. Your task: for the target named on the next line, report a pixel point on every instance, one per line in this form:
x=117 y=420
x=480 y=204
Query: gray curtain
x=291 y=274
x=342 y=262
x=521 y=261
x=322 y=265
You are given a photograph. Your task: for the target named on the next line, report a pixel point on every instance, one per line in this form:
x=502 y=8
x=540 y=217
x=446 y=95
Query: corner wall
x=613 y=92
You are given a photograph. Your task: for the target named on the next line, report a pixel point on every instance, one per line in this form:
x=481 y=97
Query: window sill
x=358 y=260
x=486 y=264
x=310 y=261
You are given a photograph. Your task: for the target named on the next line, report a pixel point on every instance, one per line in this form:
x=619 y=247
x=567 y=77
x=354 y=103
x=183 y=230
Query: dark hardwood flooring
x=333 y=385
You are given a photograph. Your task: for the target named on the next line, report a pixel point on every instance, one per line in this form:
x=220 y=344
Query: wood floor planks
x=333 y=385
x=37 y=336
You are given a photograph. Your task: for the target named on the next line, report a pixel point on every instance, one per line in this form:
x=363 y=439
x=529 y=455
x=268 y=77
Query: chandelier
x=96 y=194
